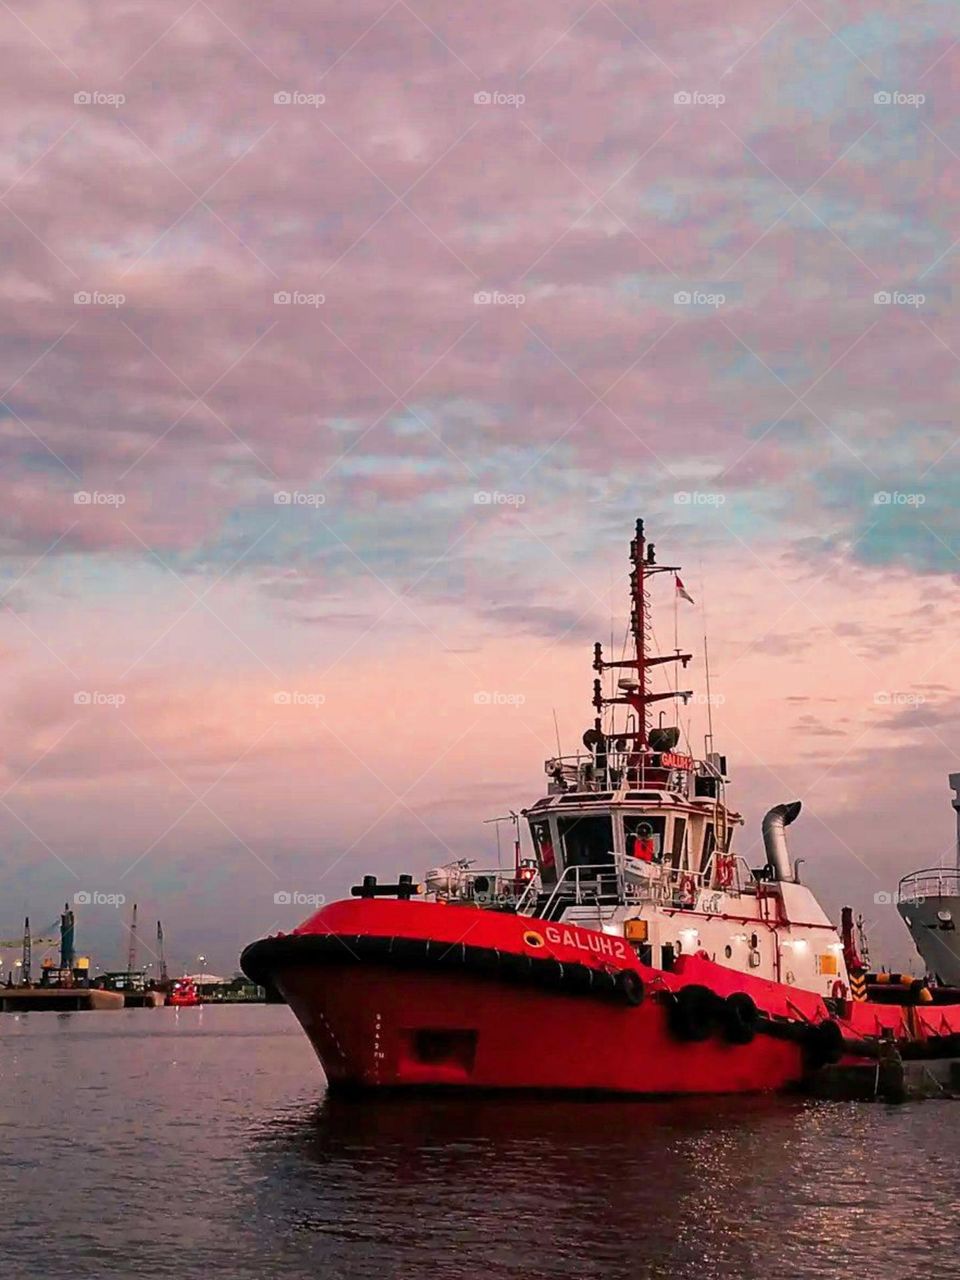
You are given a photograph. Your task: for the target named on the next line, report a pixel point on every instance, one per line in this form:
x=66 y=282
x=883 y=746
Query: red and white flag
x=682 y=591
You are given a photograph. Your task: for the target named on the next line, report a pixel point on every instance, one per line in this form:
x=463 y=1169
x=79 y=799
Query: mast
x=26 y=959
x=636 y=695
x=163 y=958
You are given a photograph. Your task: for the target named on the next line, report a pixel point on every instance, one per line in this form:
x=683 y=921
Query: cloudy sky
x=342 y=345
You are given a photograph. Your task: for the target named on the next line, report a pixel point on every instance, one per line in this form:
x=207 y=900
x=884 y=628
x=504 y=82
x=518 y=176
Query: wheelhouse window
x=645 y=836
x=587 y=841
x=543 y=848
x=709 y=844
x=679 y=832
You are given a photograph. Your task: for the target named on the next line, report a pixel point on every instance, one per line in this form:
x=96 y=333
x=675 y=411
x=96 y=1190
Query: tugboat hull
x=406 y=995
x=376 y=1029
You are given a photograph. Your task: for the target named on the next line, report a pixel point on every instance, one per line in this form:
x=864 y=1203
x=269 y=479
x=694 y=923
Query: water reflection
x=202 y=1147
x=578 y=1189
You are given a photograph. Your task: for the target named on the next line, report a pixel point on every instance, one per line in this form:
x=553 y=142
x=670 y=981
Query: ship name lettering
x=600 y=943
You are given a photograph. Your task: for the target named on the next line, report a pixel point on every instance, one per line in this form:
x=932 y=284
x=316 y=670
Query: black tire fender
x=630 y=986
x=693 y=1013
x=740 y=1016
x=825 y=1043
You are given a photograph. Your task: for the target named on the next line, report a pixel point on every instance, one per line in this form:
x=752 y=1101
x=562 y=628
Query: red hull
x=387 y=1022
x=375 y=1028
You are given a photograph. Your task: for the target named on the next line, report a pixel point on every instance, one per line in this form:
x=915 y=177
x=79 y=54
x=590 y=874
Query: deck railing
x=627 y=879
x=646 y=882
x=931 y=882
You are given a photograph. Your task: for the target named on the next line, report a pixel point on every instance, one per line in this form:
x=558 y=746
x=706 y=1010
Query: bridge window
x=543 y=847
x=709 y=844
x=587 y=841
x=679 y=831
x=645 y=836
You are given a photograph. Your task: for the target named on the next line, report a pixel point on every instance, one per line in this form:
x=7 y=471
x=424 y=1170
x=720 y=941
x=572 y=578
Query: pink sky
x=147 y=164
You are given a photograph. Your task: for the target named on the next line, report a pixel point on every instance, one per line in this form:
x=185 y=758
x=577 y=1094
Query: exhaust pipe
x=774 y=839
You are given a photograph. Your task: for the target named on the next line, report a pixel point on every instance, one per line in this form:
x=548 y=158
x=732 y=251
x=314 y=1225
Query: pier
x=59 y=999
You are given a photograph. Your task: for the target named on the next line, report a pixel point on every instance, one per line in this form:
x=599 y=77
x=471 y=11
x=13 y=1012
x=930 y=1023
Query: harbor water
x=199 y=1142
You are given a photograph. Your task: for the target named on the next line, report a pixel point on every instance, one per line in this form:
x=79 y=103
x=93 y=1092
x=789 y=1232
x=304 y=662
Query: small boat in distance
x=634 y=951
x=183 y=994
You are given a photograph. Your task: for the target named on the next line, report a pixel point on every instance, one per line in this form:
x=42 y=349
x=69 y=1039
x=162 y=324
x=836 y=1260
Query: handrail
x=576 y=869
x=531 y=891
x=662 y=887
x=920 y=884
x=580 y=883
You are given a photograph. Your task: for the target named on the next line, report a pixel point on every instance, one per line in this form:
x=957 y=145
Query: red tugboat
x=183 y=994
x=636 y=952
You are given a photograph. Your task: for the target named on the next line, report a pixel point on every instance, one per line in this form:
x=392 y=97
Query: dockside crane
x=161 y=954
x=132 y=952
x=26 y=942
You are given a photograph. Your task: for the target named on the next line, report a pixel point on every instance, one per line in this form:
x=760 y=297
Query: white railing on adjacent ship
x=932 y=882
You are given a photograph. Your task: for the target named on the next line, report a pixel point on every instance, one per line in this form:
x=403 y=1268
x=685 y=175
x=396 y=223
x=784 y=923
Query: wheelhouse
x=660 y=831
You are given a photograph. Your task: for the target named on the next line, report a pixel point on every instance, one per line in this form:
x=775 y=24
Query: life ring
x=688 y=888
x=838 y=991
x=724 y=870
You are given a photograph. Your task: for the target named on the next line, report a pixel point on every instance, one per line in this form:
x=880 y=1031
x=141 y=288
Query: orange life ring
x=688 y=887
x=839 y=990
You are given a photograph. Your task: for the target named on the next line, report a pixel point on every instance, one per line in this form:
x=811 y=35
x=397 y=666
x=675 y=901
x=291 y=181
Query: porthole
x=728 y=951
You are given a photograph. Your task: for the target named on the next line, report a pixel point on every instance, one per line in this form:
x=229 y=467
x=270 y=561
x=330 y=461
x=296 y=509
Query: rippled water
x=187 y=1143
